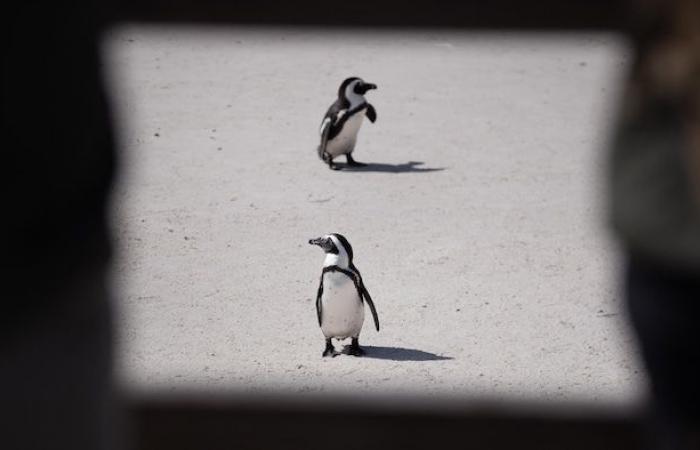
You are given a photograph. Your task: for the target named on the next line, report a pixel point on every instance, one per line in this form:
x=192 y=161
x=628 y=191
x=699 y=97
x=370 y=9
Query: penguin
x=339 y=300
x=342 y=122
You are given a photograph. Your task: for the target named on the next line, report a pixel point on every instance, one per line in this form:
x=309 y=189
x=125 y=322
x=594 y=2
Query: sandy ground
x=479 y=227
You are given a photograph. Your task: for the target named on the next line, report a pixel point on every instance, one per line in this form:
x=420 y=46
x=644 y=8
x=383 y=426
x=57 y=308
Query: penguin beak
x=317 y=241
x=324 y=242
x=367 y=86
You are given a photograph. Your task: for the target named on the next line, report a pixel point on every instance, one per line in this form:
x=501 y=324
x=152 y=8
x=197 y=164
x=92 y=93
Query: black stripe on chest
x=352 y=275
x=337 y=126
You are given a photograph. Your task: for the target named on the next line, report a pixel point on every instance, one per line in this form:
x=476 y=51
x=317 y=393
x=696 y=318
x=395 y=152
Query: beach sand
x=479 y=227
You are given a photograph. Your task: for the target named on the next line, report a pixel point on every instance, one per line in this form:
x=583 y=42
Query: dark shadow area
x=188 y=422
x=411 y=166
x=400 y=354
x=475 y=14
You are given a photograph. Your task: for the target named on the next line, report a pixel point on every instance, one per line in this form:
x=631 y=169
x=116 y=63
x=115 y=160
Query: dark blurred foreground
x=272 y=421
x=56 y=353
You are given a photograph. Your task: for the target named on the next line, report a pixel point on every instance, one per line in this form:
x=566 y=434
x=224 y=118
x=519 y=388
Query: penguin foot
x=353 y=163
x=328 y=159
x=355 y=349
x=330 y=350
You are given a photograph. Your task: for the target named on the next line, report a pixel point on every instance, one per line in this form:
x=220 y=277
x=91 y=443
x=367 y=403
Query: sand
x=479 y=228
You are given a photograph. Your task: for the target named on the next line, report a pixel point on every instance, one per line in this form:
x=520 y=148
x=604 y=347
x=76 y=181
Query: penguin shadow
x=411 y=166
x=400 y=354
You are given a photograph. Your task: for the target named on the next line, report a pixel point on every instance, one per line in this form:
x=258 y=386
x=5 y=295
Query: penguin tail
x=322 y=154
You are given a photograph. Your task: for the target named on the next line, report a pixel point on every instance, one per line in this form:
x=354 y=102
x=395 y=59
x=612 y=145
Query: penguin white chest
x=342 y=311
x=344 y=142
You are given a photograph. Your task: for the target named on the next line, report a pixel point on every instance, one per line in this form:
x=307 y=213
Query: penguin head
x=353 y=89
x=337 y=249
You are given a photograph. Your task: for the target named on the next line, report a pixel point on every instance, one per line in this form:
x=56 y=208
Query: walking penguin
x=339 y=301
x=342 y=122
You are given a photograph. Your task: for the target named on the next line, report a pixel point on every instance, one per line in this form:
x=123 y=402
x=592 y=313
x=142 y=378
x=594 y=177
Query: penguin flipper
x=325 y=133
x=319 y=305
x=371 y=113
x=372 y=308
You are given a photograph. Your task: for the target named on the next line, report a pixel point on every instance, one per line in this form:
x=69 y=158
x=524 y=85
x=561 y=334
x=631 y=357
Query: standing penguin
x=342 y=121
x=339 y=301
